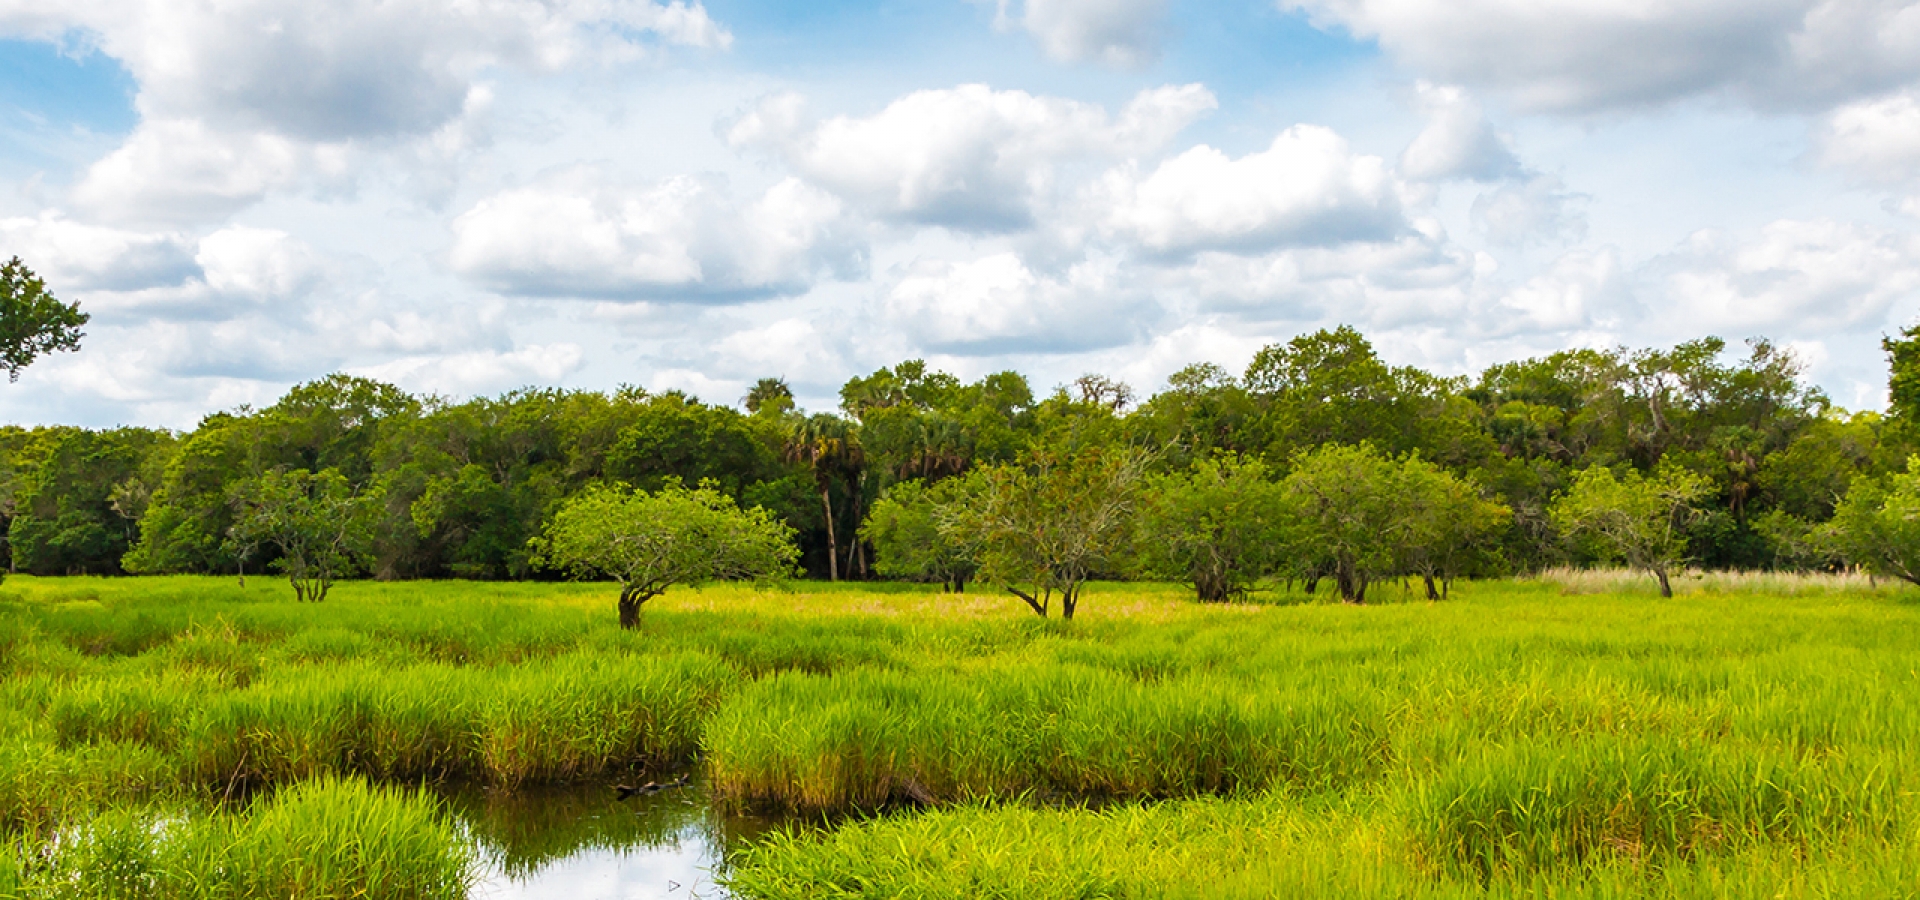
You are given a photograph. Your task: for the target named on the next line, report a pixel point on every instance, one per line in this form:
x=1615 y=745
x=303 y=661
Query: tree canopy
x=649 y=542
x=33 y=322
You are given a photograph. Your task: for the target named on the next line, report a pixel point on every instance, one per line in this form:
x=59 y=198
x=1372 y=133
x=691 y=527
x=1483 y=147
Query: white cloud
x=1458 y=141
x=1418 y=277
x=179 y=170
x=1530 y=209
x=969 y=157
x=1308 y=188
x=347 y=68
x=461 y=375
x=1806 y=277
x=996 y=305
x=1584 y=55
x=258 y=264
x=73 y=256
x=584 y=234
x=1124 y=33
x=1577 y=289
x=1875 y=141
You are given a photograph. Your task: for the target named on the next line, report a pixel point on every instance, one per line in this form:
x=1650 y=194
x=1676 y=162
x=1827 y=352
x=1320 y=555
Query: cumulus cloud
x=1532 y=208
x=182 y=171
x=1417 y=277
x=1875 y=141
x=1123 y=33
x=997 y=304
x=1587 y=55
x=583 y=233
x=1308 y=188
x=80 y=257
x=1811 y=277
x=969 y=157
x=477 y=372
x=1458 y=141
x=348 y=68
x=1580 y=290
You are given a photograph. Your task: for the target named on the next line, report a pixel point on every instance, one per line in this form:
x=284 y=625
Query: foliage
x=76 y=511
x=911 y=529
x=33 y=322
x=1218 y=527
x=1632 y=517
x=1877 y=524
x=318 y=527
x=650 y=542
x=1055 y=521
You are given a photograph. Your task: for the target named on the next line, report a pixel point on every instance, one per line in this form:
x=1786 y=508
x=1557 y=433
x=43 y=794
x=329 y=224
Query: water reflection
x=580 y=843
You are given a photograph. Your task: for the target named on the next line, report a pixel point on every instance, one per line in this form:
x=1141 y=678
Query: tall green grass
x=327 y=839
x=1538 y=738
x=865 y=739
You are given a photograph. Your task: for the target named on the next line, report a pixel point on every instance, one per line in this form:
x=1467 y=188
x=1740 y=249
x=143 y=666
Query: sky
x=464 y=198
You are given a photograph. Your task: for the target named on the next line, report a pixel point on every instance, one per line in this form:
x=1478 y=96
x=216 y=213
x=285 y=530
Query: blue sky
x=464 y=200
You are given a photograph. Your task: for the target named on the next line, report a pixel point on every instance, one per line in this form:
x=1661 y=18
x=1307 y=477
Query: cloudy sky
x=467 y=196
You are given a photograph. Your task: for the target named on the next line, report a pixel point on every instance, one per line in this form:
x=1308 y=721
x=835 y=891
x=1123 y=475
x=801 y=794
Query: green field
x=1576 y=736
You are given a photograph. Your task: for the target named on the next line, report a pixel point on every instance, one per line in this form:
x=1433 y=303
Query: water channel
x=581 y=843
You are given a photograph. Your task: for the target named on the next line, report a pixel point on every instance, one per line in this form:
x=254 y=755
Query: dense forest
x=459 y=489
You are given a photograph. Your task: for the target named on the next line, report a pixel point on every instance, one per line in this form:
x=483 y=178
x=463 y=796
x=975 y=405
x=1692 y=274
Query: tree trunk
x=631 y=598
x=1038 y=606
x=833 y=547
x=1351 y=590
x=1433 y=593
x=1666 y=590
x=1211 y=588
x=1069 y=599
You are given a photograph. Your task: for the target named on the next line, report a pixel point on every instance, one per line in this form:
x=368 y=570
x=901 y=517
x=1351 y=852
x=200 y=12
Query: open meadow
x=1573 y=736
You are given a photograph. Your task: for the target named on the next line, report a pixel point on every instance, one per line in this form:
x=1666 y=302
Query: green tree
x=830 y=448
x=1051 y=524
x=320 y=528
x=649 y=542
x=1218 y=527
x=1638 y=519
x=769 y=397
x=911 y=528
x=1442 y=524
x=32 y=322
x=75 y=512
x=1342 y=513
x=1877 y=524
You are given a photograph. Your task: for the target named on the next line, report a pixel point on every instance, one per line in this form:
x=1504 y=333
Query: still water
x=580 y=843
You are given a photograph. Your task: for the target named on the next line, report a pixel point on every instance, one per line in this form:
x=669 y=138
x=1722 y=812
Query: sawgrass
x=1571 y=735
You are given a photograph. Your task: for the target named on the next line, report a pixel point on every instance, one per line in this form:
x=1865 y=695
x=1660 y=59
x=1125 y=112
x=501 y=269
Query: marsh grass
x=1532 y=737
x=327 y=838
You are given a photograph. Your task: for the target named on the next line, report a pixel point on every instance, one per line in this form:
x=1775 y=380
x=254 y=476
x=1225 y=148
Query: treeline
x=459 y=489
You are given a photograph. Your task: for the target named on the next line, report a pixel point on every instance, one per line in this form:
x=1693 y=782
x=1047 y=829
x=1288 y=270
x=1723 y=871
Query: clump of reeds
x=866 y=739
x=327 y=839
x=1535 y=806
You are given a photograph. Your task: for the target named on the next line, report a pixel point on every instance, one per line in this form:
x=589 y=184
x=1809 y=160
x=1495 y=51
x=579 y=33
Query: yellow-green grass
x=1557 y=736
x=325 y=839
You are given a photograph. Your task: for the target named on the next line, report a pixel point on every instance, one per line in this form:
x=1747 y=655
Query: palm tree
x=829 y=445
x=771 y=394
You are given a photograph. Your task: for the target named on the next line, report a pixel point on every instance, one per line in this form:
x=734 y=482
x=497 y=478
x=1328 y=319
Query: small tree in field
x=1632 y=517
x=1050 y=525
x=912 y=534
x=650 y=542
x=1218 y=527
x=1877 y=524
x=32 y=322
x=1343 y=512
x=321 y=528
x=1443 y=523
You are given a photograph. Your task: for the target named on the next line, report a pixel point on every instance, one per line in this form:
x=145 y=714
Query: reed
x=329 y=839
